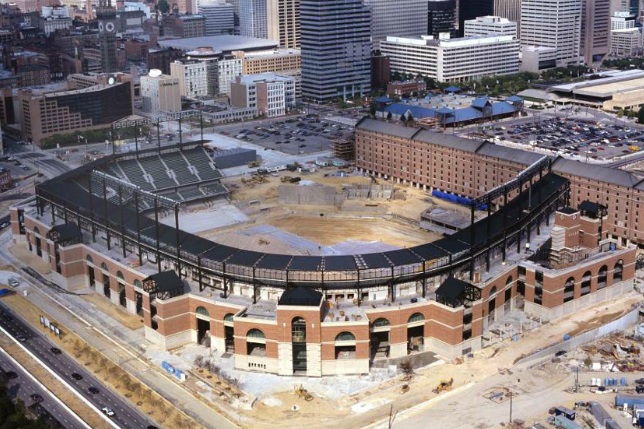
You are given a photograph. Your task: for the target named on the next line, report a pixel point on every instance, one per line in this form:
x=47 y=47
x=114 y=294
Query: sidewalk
x=122 y=345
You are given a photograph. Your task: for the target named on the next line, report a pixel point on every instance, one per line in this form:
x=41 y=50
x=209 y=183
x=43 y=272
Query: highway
x=22 y=386
x=63 y=365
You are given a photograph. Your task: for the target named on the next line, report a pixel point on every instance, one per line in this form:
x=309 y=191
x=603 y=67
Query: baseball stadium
x=124 y=227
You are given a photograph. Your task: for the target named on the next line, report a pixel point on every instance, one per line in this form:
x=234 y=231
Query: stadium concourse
x=99 y=227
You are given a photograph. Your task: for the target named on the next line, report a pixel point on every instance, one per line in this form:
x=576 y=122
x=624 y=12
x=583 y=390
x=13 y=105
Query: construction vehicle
x=301 y=392
x=444 y=386
x=253 y=164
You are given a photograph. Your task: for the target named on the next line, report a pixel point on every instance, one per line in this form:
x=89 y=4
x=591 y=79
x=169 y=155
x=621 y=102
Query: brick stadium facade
x=304 y=322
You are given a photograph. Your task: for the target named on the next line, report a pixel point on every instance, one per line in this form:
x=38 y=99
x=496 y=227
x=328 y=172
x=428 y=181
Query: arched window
x=89 y=259
x=381 y=322
x=229 y=317
x=585 y=283
x=298 y=330
x=416 y=317
x=569 y=289
x=137 y=283
x=345 y=336
x=509 y=281
x=618 y=271
x=492 y=292
x=104 y=266
x=119 y=275
x=602 y=275
x=255 y=333
x=201 y=310
x=36 y=230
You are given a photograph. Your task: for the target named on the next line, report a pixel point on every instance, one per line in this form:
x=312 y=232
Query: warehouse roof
x=225 y=43
x=596 y=172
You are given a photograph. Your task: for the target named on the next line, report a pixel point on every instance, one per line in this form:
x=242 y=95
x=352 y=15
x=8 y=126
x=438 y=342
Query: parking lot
x=293 y=135
x=576 y=138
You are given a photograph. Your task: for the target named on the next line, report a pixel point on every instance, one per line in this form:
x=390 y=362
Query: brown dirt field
x=114 y=311
x=595 y=322
x=328 y=231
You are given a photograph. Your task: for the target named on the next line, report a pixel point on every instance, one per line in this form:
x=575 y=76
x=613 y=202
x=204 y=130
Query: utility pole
x=510 y=407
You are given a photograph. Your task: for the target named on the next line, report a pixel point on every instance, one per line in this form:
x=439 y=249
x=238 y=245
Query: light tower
x=106 y=16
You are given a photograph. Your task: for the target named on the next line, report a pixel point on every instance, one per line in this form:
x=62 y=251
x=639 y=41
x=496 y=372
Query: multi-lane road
x=125 y=416
x=22 y=385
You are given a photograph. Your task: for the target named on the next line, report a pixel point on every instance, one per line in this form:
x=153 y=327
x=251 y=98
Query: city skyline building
x=441 y=17
x=336 y=49
x=106 y=15
x=554 y=28
x=220 y=17
x=253 y=20
x=404 y=18
x=595 y=30
x=486 y=25
x=283 y=18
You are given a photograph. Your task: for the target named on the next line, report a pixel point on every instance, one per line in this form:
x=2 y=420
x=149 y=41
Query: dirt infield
x=328 y=231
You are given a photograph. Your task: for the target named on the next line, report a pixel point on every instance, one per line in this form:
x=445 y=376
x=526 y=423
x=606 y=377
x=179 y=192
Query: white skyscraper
x=484 y=25
x=554 y=24
x=253 y=20
x=397 y=18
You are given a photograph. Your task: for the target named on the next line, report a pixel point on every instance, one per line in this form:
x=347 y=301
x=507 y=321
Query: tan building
x=160 y=93
x=45 y=113
x=284 y=22
x=285 y=62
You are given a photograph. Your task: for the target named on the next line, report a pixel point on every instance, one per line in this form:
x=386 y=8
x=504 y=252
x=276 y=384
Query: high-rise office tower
x=106 y=16
x=396 y=18
x=595 y=30
x=510 y=9
x=472 y=9
x=335 y=48
x=554 y=24
x=219 y=17
x=253 y=21
x=284 y=22
x=441 y=17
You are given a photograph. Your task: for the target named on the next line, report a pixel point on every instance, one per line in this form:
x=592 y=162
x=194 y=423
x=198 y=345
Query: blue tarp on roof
x=480 y=102
x=452 y=89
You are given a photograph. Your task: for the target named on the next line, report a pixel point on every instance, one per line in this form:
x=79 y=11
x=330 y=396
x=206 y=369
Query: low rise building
x=271 y=94
x=486 y=25
x=193 y=78
x=160 y=93
x=44 y=113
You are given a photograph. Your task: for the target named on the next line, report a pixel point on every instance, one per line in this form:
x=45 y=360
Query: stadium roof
x=225 y=43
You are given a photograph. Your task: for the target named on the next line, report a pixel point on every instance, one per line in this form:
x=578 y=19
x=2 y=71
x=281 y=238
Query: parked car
x=13 y=282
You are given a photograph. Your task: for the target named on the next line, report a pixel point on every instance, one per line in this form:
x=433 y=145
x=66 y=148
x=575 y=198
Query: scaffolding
x=344 y=149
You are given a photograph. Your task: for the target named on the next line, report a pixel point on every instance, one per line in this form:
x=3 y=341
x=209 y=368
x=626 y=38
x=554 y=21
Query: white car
x=13 y=282
x=107 y=411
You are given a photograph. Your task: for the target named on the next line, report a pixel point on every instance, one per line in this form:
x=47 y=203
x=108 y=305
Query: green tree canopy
x=163 y=6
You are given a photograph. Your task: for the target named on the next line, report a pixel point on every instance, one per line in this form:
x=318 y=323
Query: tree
x=388 y=115
x=372 y=109
x=640 y=115
x=163 y=6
